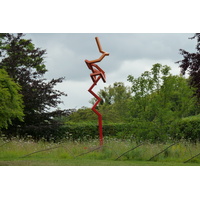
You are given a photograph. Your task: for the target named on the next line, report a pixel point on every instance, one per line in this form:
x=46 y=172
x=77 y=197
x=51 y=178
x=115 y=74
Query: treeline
x=151 y=107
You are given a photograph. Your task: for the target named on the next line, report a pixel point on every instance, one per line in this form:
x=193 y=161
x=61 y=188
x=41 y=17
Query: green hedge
x=187 y=128
x=137 y=131
x=90 y=131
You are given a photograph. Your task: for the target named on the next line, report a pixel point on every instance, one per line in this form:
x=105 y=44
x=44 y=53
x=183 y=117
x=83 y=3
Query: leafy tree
x=114 y=104
x=191 y=64
x=17 y=53
x=159 y=98
x=25 y=64
x=146 y=87
x=11 y=105
x=114 y=94
x=177 y=95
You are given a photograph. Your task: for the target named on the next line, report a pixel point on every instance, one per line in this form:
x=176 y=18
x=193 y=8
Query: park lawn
x=114 y=153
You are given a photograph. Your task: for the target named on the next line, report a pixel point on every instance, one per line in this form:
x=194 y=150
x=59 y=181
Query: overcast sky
x=130 y=54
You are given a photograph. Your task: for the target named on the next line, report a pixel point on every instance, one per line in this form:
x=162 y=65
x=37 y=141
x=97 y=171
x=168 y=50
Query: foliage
x=146 y=111
x=188 y=128
x=25 y=64
x=114 y=104
x=11 y=105
x=17 y=52
x=135 y=131
x=85 y=131
x=116 y=93
x=81 y=115
x=191 y=63
x=159 y=99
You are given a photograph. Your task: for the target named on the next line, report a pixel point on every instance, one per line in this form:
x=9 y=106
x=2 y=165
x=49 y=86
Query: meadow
x=114 y=152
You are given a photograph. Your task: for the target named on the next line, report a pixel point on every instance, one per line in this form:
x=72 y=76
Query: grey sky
x=130 y=53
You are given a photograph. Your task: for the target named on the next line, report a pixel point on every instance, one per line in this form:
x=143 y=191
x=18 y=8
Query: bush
x=137 y=131
x=46 y=132
x=87 y=131
x=187 y=128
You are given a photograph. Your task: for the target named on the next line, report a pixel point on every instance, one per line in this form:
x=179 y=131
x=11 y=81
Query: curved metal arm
x=100 y=50
x=99 y=45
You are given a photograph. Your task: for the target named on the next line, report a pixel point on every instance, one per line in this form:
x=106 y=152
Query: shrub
x=187 y=128
x=87 y=131
x=136 y=131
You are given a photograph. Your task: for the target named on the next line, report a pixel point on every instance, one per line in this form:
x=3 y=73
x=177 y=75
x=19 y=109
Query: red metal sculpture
x=96 y=75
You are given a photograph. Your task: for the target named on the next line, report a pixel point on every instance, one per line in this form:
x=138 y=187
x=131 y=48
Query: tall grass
x=27 y=150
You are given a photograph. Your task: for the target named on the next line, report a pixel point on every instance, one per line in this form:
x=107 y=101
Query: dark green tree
x=25 y=64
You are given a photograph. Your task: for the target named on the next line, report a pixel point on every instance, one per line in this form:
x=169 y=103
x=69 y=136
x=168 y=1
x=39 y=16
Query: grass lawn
x=113 y=153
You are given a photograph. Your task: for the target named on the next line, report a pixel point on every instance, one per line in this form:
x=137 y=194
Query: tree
x=17 y=53
x=159 y=98
x=146 y=87
x=11 y=105
x=25 y=64
x=114 y=104
x=114 y=94
x=113 y=107
x=158 y=89
x=191 y=64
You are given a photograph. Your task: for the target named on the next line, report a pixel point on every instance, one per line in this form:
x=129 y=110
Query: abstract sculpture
x=96 y=75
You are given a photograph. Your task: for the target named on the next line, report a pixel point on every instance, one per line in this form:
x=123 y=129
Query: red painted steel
x=96 y=75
